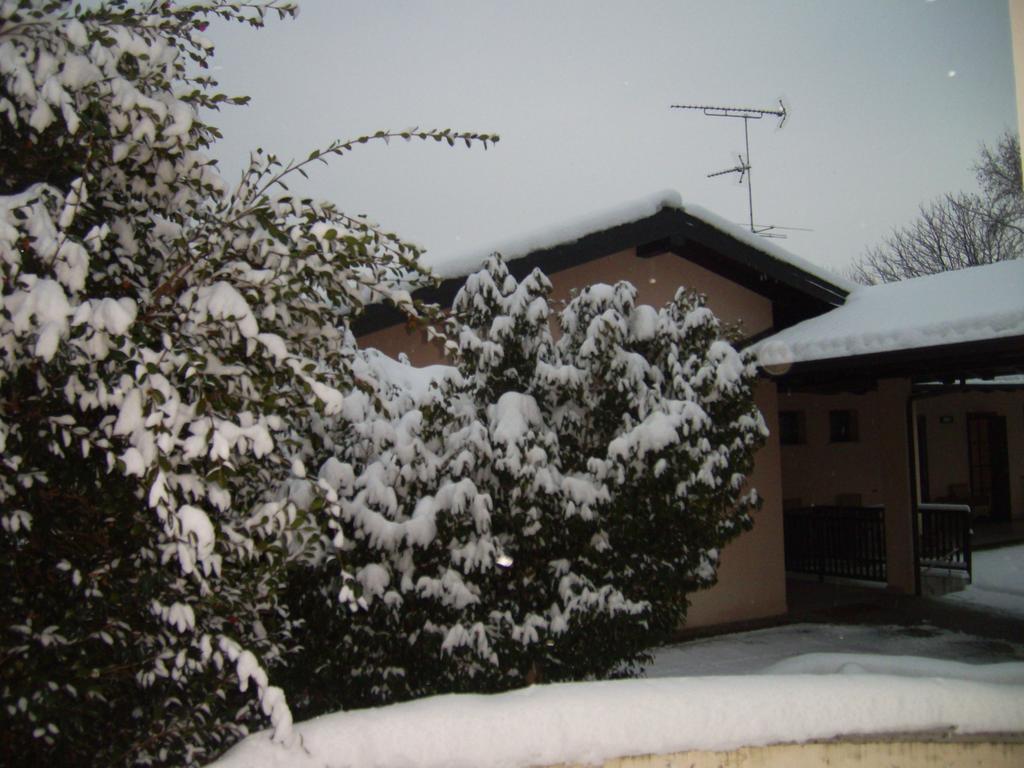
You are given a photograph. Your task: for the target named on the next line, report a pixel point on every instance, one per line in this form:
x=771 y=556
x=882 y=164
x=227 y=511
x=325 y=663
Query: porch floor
x=987 y=535
x=843 y=603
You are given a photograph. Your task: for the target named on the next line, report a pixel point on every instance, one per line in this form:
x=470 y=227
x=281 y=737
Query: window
x=842 y=426
x=792 y=428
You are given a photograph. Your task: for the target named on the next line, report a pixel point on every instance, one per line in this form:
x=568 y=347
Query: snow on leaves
x=173 y=353
x=202 y=474
x=541 y=491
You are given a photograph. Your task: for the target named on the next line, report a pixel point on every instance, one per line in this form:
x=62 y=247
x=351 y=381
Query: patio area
x=987 y=535
x=974 y=610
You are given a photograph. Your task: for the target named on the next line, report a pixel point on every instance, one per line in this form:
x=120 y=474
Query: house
x=908 y=394
x=864 y=415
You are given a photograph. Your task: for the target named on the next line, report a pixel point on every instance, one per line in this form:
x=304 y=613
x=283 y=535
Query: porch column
x=894 y=457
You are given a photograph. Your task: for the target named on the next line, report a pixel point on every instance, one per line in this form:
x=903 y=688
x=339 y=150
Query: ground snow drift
x=593 y=722
x=997 y=583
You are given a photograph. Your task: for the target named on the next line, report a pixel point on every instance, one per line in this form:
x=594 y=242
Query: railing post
x=945 y=533
x=820 y=529
x=967 y=546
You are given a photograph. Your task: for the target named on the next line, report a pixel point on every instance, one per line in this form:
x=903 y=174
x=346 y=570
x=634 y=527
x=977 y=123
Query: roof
x=962 y=317
x=1012 y=383
x=656 y=224
x=463 y=264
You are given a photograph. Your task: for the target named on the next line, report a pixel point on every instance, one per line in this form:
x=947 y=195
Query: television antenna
x=743 y=166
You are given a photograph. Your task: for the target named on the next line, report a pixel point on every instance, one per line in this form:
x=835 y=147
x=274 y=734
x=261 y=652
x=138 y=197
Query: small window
x=792 y=428
x=843 y=427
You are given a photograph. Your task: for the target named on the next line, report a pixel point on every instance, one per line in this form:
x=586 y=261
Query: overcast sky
x=889 y=101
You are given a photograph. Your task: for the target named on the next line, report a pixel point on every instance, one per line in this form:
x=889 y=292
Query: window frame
x=843 y=426
x=795 y=433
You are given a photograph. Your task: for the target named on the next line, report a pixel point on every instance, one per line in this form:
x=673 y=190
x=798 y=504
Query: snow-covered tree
x=959 y=230
x=543 y=510
x=170 y=349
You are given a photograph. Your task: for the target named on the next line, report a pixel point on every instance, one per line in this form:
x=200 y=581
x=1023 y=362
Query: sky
x=889 y=102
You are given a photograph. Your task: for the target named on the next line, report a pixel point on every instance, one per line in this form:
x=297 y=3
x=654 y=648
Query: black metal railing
x=945 y=531
x=846 y=542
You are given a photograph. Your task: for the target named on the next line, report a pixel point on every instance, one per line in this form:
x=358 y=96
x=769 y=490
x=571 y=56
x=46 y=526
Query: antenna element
x=743 y=168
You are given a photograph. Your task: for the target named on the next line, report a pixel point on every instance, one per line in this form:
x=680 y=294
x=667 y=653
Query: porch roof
x=962 y=322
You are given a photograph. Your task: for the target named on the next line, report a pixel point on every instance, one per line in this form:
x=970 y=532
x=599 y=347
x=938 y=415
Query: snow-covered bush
x=170 y=347
x=545 y=508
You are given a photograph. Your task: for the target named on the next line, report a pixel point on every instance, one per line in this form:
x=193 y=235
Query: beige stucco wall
x=752 y=578
x=894 y=457
x=876 y=466
x=947 y=442
x=818 y=471
x=412 y=341
x=656 y=278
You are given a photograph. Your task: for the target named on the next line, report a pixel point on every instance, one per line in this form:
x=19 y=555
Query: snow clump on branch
x=170 y=349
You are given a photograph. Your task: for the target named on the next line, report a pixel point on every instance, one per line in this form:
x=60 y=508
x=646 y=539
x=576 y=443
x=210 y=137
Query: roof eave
x=668 y=230
x=982 y=358
x=764 y=263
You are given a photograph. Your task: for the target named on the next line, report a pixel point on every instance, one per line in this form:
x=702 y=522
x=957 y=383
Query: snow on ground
x=997 y=582
x=785 y=684
x=593 y=722
x=765 y=649
x=1006 y=673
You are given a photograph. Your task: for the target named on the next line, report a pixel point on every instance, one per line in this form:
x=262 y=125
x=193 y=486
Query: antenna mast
x=744 y=166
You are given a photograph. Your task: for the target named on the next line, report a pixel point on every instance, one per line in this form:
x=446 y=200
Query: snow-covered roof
x=766 y=246
x=451 y=265
x=974 y=304
x=995 y=382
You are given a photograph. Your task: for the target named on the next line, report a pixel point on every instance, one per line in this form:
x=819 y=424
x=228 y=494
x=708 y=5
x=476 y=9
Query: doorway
x=989 y=463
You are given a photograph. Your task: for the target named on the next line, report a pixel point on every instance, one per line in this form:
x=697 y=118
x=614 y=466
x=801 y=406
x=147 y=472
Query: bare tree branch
x=958 y=230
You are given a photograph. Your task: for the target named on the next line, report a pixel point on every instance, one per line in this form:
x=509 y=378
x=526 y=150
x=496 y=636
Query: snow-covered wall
x=650 y=722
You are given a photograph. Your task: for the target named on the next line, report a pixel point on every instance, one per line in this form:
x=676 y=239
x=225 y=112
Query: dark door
x=989 y=463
